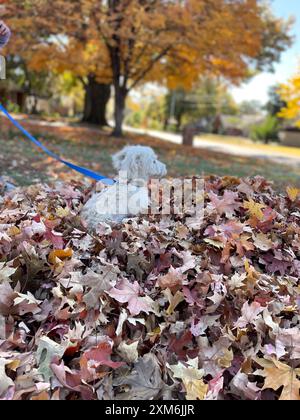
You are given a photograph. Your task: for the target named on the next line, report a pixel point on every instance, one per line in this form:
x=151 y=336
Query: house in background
x=21 y=101
x=290 y=136
x=239 y=125
x=10 y=93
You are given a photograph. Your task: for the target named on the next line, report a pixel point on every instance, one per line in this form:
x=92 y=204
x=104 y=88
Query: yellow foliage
x=255 y=209
x=290 y=94
x=293 y=193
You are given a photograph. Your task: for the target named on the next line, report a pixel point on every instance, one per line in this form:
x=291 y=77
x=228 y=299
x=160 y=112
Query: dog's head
x=140 y=162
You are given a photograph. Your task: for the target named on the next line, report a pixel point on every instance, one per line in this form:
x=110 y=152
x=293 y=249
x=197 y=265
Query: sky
x=257 y=88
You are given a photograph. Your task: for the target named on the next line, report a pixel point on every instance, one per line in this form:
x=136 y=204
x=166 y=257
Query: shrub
x=134 y=119
x=13 y=107
x=266 y=131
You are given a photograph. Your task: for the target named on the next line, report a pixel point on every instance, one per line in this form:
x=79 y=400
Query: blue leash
x=80 y=169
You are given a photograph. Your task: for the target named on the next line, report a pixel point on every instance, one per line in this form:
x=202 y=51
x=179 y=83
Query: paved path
x=232 y=149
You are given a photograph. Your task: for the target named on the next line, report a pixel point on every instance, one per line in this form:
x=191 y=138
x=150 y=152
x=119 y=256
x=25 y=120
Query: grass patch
x=93 y=148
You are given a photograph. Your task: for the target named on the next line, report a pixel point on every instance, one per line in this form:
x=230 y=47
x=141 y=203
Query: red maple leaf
x=101 y=355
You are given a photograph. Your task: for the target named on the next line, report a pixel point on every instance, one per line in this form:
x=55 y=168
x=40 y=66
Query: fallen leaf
x=129 y=352
x=101 y=355
x=249 y=314
x=278 y=374
x=171 y=280
x=98 y=283
x=227 y=204
x=261 y=241
x=255 y=209
x=6 y=272
x=293 y=193
x=191 y=377
x=47 y=351
x=126 y=292
x=174 y=300
x=5 y=381
x=144 y=381
x=60 y=254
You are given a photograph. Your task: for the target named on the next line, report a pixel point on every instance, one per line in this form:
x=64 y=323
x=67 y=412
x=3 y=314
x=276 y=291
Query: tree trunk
x=166 y=123
x=217 y=125
x=188 y=135
x=97 y=96
x=34 y=110
x=178 y=123
x=119 y=112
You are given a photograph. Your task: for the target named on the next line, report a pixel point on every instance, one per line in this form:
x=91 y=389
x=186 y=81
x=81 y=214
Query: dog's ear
x=133 y=160
x=132 y=164
x=119 y=158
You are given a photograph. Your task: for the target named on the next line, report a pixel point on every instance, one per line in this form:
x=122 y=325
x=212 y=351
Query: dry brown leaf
x=278 y=374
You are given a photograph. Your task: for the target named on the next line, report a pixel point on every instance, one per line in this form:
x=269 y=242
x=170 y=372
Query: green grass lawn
x=93 y=148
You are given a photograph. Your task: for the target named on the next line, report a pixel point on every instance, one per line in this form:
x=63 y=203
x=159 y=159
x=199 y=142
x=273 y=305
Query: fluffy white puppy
x=128 y=197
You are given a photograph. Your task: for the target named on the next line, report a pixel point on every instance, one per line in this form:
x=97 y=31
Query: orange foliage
x=130 y=42
x=167 y=42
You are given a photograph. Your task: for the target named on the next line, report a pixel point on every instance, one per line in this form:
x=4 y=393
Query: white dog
x=129 y=196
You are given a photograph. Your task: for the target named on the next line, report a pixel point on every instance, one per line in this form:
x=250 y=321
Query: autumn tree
x=85 y=60
x=170 y=42
x=290 y=95
x=44 y=50
x=174 y=42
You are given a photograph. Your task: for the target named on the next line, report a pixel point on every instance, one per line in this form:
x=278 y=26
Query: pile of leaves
x=155 y=308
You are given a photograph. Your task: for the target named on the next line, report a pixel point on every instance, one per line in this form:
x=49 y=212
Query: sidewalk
x=284 y=155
